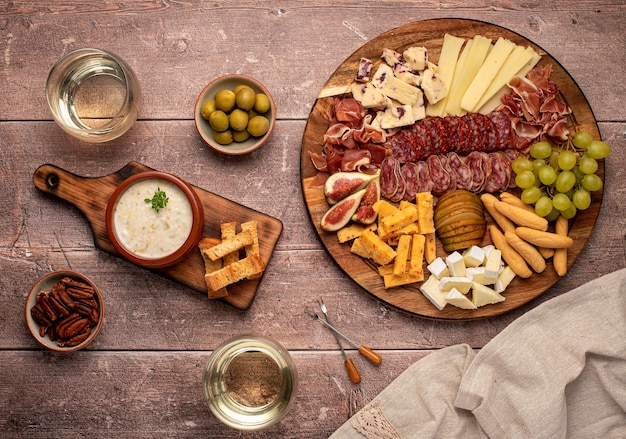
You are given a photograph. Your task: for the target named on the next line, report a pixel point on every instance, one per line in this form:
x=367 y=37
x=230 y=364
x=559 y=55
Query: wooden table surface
x=142 y=375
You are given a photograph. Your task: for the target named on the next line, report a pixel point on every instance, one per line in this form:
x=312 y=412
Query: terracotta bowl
x=153 y=249
x=204 y=128
x=45 y=283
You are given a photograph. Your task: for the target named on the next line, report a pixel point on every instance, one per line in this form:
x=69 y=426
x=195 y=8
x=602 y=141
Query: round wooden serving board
x=430 y=34
x=91 y=195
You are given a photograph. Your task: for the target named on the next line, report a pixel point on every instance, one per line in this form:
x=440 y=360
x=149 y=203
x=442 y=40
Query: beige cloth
x=559 y=371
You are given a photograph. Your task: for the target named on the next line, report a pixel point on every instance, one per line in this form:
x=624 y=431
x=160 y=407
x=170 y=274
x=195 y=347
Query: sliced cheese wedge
x=482 y=295
x=432 y=291
x=486 y=74
x=458 y=299
x=450 y=50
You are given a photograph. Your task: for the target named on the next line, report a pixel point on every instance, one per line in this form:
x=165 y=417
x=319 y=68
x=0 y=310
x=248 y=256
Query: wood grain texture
x=408 y=298
x=141 y=377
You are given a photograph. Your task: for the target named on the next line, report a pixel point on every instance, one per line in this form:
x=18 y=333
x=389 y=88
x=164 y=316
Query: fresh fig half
x=339 y=214
x=342 y=184
x=365 y=213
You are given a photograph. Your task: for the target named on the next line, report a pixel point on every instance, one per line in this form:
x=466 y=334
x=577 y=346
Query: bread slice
x=248 y=266
x=211 y=266
x=230 y=245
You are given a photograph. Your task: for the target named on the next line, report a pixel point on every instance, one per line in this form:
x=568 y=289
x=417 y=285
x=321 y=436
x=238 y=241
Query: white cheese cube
x=456 y=264
x=492 y=266
x=372 y=97
x=416 y=58
x=438 y=268
x=382 y=75
x=419 y=109
x=474 y=256
x=364 y=70
x=391 y=57
x=462 y=284
x=504 y=279
x=399 y=90
x=433 y=86
x=487 y=249
x=397 y=116
x=456 y=298
x=477 y=274
x=403 y=72
x=431 y=290
x=482 y=295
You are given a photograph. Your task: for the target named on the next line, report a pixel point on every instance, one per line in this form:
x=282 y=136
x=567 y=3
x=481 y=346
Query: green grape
x=581 y=199
x=587 y=165
x=521 y=164
x=598 y=149
x=565 y=181
x=561 y=202
x=554 y=158
x=525 y=180
x=543 y=206
x=530 y=195
x=566 y=160
x=570 y=212
x=538 y=164
x=552 y=216
x=582 y=139
x=592 y=182
x=547 y=175
x=541 y=150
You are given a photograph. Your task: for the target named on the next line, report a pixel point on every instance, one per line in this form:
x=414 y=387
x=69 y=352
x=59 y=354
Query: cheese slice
x=482 y=295
x=462 y=284
x=456 y=298
x=397 y=116
x=504 y=279
x=438 y=268
x=466 y=71
x=495 y=101
x=477 y=274
x=456 y=264
x=519 y=57
x=492 y=266
x=486 y=74
x=474 y=256
x=416 y=58
x=432 y=291
x=399 y=90
x=450 y=50
x=433 y=86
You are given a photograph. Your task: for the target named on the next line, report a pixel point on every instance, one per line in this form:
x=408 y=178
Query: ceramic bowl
x=204 y=128
x=45 y=283
x=152 y=236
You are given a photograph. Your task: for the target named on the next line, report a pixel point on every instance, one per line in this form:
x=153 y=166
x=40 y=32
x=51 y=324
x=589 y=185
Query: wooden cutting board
x=91 y=195
x=430 y=34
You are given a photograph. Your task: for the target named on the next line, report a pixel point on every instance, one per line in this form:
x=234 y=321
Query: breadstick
x=509 y=254
x=521 y=217
x=547 y=253
x=544 y=239
x=509 y=198
x=527 y=251
x=560 y=254
x=505 y=224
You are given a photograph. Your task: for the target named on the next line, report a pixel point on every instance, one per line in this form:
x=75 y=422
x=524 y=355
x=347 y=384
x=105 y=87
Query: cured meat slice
x=411 y=181
x=401 y=184
x=402 y=148
x=500 y=173
x=423 y=175
x=439 y=176
x=388 y=181
x=424 y=136
x=444 y=144
x=474 y=161
x=436 y=136
x=462 y=172
x=475 y=135
x=487 y=167
x=446 y=165
x=452 y=125
x=502 y=128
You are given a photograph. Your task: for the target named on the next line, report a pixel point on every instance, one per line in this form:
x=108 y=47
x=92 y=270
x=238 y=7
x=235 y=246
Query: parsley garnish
x=159 y=200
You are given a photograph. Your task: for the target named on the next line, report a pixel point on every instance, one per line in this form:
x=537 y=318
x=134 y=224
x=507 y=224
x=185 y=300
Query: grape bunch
x=559 y=181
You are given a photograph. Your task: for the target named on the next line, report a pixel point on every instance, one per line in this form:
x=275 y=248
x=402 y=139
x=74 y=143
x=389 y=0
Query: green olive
x=262 y=103
x=207 y=108
x=225 y=100
x=241 y=136
x=258 y=126
x=223 y=137
x=245 y=98
x=218 y=120
x=239 y=87
x=252 y=113
x=238 y=119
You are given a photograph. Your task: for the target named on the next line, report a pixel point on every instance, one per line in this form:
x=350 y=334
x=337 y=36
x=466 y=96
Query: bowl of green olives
x=235 y=114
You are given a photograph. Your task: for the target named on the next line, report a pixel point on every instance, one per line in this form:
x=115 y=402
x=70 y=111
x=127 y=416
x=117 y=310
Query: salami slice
x=503 y=130
x=487 y=167
x=446 y=165
x=500 y=173
x=423 y=174
x=474 y=161
x=402 y=149
x=462 y=172
x=444 y=145
x=388 y=182
x=411 y=181
x=436 y=136
x=475 y=135
x=401 y=184
x=422 y=138
x=438 y=174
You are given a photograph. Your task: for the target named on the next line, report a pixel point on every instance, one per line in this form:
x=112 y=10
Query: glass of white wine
x=93 y=95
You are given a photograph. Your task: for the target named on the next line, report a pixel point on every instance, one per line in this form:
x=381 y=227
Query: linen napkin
x=558 y=371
